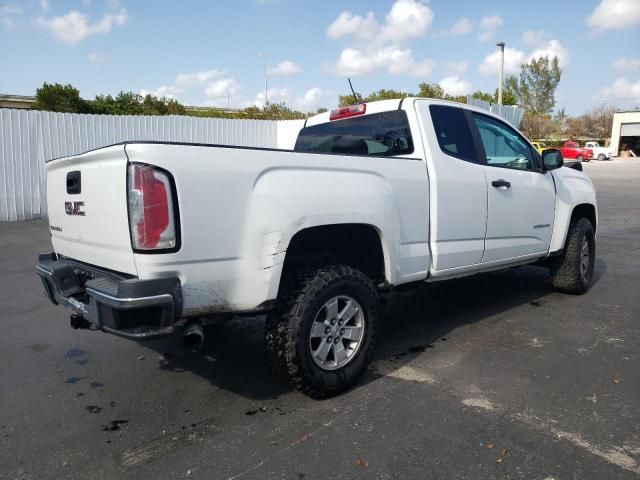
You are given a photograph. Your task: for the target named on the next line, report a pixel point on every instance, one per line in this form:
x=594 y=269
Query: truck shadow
x=234 y=358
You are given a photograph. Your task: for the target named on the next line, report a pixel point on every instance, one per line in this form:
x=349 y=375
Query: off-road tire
x=288 y=328
x=566 y=274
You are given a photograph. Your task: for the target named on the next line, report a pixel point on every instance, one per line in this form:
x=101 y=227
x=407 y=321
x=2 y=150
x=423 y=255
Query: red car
x=572 y=150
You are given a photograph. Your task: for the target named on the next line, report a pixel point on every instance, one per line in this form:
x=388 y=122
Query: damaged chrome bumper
x=128 y=307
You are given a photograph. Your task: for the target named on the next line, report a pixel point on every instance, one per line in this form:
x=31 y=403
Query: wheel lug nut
x=342 y=331
x=329 y=339
x=327 y=330
x=336 y=340
x=333 y=322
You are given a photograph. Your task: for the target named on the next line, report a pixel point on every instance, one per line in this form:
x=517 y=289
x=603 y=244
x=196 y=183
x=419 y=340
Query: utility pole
x=266 y=99
x=501 y=45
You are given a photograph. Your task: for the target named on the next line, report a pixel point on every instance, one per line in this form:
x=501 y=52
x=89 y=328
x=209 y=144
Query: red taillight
x=150 y=209
x=346 y=112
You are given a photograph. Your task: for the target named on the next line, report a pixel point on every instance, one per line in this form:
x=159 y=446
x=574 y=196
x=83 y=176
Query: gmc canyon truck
x=153 y=239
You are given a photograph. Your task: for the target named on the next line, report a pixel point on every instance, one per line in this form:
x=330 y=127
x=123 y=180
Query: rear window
x=383 y=134
x=452 y=130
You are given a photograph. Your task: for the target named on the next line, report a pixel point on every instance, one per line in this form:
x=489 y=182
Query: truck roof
x=396 y=104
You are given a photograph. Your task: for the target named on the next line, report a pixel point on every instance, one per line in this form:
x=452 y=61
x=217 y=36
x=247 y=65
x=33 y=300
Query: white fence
x=30 y=138
x=511 y=113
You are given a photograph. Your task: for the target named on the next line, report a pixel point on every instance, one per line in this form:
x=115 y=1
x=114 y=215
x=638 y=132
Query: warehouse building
x=625 y=134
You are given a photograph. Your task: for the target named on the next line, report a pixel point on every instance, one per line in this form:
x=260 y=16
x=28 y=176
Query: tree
x=599 y=121
x=537 y=125
x=575 y=127
x=430 y=90
x=484 y=96
x=60 y=98
x=129 y=103
x=381 y=94
x=508 y=97
x=535 y=88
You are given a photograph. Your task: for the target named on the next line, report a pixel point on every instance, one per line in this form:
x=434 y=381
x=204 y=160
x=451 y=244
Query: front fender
x=573 y=188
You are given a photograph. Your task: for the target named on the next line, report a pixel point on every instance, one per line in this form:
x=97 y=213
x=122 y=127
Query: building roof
x=17 y=98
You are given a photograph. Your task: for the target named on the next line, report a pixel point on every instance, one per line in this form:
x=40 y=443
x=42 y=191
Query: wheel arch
x=358 y=245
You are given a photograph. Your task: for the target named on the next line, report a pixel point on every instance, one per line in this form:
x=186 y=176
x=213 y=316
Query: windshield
x=382 y=134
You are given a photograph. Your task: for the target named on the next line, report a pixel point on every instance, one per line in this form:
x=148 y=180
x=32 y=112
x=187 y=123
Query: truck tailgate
x=87 y=205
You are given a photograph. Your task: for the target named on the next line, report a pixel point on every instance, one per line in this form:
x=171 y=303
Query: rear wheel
x=322 y=334
x=573 y=270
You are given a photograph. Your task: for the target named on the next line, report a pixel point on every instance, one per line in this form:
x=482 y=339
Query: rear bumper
x=127 y=307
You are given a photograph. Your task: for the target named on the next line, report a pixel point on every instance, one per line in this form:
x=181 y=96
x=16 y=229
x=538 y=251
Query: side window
x=503 y=146
x=452 y=130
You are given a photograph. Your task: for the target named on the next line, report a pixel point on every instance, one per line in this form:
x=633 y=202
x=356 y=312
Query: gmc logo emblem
x=74 y=208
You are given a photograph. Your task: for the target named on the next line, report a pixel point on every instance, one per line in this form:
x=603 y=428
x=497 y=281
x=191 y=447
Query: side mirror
x=552 y=159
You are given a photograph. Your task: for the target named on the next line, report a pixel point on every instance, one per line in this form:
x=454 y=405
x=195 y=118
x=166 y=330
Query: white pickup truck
x=157 y=238
x=601 y=153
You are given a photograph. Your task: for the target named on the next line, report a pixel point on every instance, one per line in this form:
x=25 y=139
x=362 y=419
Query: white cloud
x=456 y=68
x=94 y=57
x=10 y=10
x=423 y=68
x=208 y=86
x=286 y=67
x=615 y=15
x=381 y=46
x=218 y=91
x=397 y=61
x=513 y=59
x=311 y=100
x=7 y=14
x=533 y=39
x=626 y=64
x=622 y=90
x=186 y=80
x=350 y=24
x=73 y=27
x=462 y=27
x=44 y=5
x=455 y=86
x=407 y=19
x=489 y=24
x=160 y=92
x=274 y=95
x=553 y=48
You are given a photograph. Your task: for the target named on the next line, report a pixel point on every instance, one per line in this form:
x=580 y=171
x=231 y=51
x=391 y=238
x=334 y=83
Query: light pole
x=501 y=45
x=266 y=99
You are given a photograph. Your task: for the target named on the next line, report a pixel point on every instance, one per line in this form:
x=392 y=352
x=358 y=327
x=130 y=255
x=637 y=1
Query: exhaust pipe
x=193 y=336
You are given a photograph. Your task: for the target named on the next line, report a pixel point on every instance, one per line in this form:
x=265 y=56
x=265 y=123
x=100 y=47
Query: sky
x=207 y=52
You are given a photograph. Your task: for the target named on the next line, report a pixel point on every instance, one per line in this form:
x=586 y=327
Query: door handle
x=501 y=183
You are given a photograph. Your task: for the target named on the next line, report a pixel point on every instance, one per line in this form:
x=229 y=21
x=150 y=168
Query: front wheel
x=573 y=270
x=322 y=335
x=579 y=158
x=602 y=157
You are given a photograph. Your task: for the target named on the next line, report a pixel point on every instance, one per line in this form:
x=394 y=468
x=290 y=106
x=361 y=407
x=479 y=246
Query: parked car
x=601 y=153
x=572 y=150
x=539 y=146
x=153 y=239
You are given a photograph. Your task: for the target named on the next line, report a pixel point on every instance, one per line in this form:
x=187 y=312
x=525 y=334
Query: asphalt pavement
x=492 y=376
